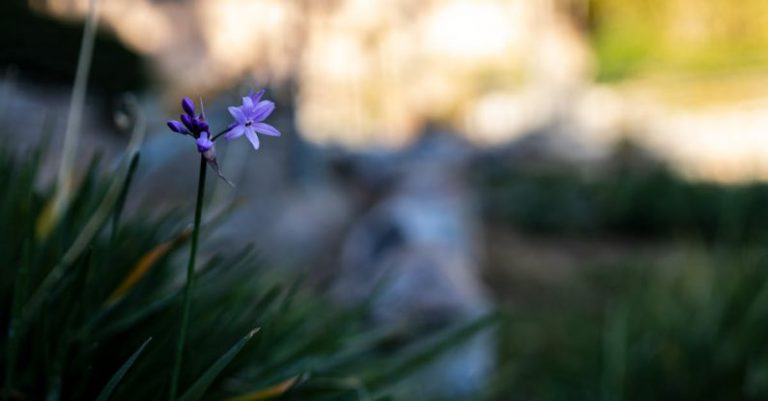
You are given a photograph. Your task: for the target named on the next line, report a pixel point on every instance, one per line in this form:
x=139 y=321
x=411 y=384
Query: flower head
x=191 y=124
x=249 y=119
x=195 y=125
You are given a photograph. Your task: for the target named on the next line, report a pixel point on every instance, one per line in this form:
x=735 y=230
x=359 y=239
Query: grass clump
x=692 y=333
x=105 y=328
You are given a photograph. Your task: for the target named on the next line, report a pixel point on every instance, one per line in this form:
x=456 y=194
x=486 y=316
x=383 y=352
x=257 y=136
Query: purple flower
x=196 y=126
x=204 y=143
x=205 y=147
x=190 y=124
x=249 y=119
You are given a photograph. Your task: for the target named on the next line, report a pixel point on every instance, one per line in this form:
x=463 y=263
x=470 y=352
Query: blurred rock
x=304 y=231
x=416 y=252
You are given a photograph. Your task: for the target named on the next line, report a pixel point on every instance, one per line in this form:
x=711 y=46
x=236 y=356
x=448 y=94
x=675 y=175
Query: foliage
x=106 y=327
x=695 y=333
x=689 y=328
x=632 y=202
x=632 y=37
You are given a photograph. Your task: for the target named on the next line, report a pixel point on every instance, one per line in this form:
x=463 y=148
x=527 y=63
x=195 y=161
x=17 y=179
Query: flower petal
x=247 y=103
x=204 y=144
x=256 y=96
x=262 y=110
x=253 y=138
x=237 y=114
x=236 y=132
x=266 y=129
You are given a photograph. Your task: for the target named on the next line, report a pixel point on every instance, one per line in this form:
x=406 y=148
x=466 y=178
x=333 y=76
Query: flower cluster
x=191 y=123
x=249 y=120
x=194 y=125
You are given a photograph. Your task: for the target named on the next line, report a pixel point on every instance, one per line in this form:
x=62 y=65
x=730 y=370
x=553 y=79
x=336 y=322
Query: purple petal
x=266 y=129
x=236 y=132
x=262 y=110
x=188 y=106
x=253 y=138
x=247 y=103
x=237 y=114
x=256 y=97
x=203 y=143
x=176 y=126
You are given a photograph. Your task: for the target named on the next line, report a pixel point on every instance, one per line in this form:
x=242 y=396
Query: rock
x=416 y=253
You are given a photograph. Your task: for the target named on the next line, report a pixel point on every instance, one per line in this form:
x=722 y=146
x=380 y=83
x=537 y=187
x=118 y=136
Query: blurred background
x=592 y=168
x=655 y=71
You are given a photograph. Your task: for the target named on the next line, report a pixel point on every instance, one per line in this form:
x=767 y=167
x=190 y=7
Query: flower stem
x=187 y=300
x=223 y=132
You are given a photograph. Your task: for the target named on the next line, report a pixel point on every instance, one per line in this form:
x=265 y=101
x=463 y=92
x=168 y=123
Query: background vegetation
x=678 y=36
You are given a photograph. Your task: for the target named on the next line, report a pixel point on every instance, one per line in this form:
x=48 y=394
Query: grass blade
x=422 y=353
x=144 y=265
x=201 y=385
x=115 y=380
x=81 y=242
x=74 y=119
x=123 y=194
x=273 y=391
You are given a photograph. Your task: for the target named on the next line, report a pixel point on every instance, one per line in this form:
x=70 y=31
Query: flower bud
x=176 y=126
x=188 y=106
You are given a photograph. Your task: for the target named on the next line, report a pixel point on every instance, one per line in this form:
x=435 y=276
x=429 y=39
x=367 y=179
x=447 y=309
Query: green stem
x=222 y=132
x=187 y=300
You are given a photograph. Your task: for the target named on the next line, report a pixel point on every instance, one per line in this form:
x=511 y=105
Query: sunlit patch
x=495 y=69
x=469 y=29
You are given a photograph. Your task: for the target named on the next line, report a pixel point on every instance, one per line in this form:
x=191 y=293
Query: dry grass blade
x=74 y=119
x=269 y=392
x=144 y=265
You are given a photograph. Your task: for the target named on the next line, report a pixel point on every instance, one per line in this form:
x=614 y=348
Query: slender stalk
x=222 y=133
x=187 y=300
x=74 y=117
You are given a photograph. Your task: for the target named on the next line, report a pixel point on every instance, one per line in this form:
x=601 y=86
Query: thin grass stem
x=74 y=117
x=187 y=298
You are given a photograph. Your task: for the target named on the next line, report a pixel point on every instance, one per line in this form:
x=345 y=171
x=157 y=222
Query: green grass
x=634 y=37
x=636 y=328
x=650 y=203
x=84 y=331
x=695 y=333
